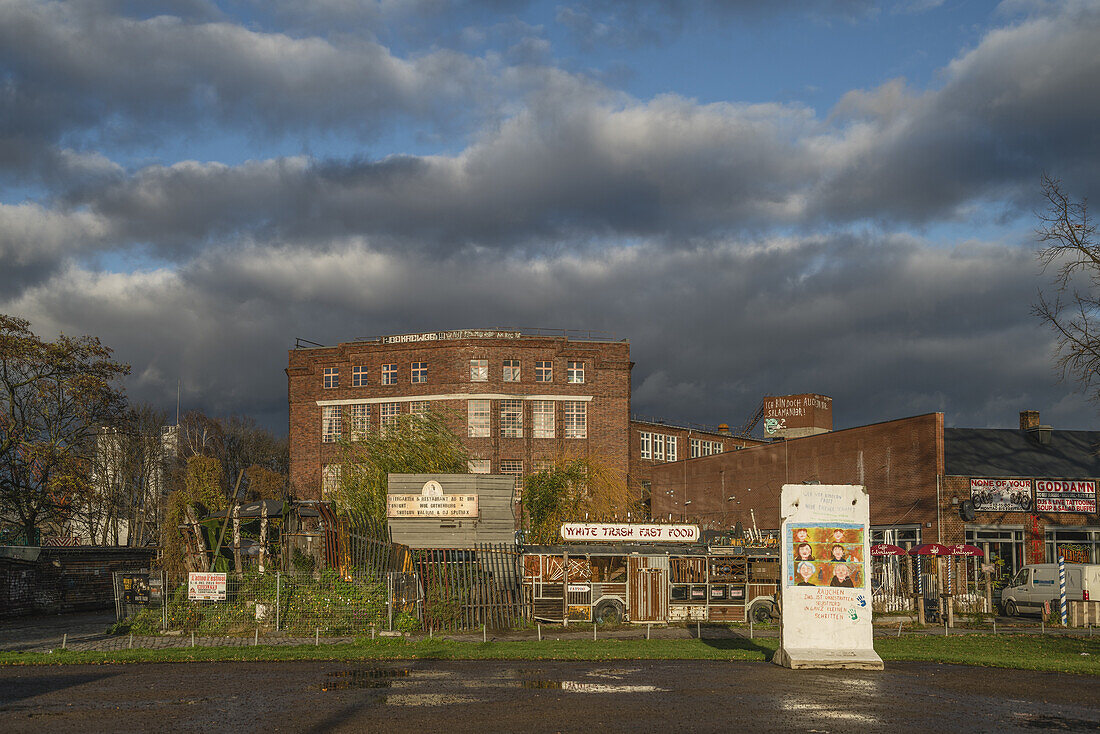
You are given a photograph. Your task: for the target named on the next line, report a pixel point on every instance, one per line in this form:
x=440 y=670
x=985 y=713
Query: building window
x=515 y=468
x=511 y=418
x=574 y=372
x=670 y=448
x=695 y=448
x=659 y=446
x=543 y=413
x=358 y=420
x=479 y=370
x=1078 y=545
x=419 y=408
x=332 y=377
x=419 y=372
x=330 y=423
x=389 y=374
x=511 y=370
x=480 y=466
x=477 y=418
x=544 y=371
x=387 y=415
x=647 y=446
x=330 y=481
x=543 y=465
x=575 y=414
x=359 y=375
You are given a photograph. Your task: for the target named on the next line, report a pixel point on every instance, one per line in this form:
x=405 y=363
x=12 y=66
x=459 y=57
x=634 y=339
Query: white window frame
x=388 y=415
x=419 y=407
x=358 y=420
x=658 y=447
x=331 y=423
x=544 y=371
x=574 y=372
x=511 y=372
x=513 y=467
x=389 y=374
x=479 y=416
x=418 y=373
x=646 y=444
x=542 y=419
x=670 y=448
x=359 y=374
x=480 y=466
x=575 y=419
x=331 y=377
x=696 y=449
x=330 y=480
x=479 y=370
x=511 y=419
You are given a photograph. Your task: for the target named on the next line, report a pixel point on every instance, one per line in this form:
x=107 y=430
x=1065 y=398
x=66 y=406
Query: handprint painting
x=825 y=554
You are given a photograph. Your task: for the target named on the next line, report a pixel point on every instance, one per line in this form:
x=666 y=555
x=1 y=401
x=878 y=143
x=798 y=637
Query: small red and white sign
x=206 y=586
x=1065 y=496
x=629 y=533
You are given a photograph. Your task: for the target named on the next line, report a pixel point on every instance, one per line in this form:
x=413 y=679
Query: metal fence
x=468 y=588
x=328 y=603
x=376 y=584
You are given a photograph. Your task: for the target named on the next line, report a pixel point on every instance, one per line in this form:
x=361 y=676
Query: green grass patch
x=1025 y=652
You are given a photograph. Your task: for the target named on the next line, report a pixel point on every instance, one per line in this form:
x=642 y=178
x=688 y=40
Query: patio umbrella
x=885 y=549
x=930 y=549
x=962 y=549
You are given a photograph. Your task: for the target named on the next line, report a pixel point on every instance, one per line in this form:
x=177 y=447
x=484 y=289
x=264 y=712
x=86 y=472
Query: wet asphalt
x=538 y=696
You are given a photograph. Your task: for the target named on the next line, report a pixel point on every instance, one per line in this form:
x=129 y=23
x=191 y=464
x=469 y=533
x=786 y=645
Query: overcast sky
x=764 y=197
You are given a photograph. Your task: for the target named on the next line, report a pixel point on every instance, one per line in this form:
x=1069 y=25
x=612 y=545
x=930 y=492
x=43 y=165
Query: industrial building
x=1024 y=495
x=518 y=398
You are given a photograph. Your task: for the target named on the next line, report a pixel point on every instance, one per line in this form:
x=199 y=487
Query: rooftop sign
x=435 y=336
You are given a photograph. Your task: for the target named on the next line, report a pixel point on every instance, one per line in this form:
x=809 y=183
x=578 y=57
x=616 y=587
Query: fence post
x=1062 y=586
x=278 y=588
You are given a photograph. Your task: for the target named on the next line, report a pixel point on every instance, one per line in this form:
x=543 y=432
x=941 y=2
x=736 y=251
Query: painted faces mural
x=826 y=555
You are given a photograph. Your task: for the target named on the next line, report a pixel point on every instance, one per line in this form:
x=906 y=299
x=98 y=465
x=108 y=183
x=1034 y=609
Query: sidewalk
x=87 y=632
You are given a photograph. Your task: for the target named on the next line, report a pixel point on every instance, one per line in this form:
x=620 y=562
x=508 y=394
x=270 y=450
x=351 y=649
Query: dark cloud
x=887 y=325
x=727 y=241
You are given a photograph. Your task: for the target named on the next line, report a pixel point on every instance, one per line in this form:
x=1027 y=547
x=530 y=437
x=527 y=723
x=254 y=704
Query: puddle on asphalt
x=362 y=678
x=574 y=686
x=1057 y=723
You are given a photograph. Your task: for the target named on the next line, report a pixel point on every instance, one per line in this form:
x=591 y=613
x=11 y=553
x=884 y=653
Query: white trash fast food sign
x=629 y=533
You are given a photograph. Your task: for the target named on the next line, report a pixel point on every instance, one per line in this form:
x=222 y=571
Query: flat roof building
x=1024 y=495
x=518 y=399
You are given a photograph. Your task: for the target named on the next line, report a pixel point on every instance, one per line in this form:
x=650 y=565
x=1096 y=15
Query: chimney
x=1029 y=421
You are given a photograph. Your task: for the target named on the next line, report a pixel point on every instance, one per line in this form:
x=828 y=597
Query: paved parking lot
x=539 y=696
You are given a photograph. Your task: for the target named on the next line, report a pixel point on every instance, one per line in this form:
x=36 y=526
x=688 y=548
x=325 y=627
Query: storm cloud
x=877 y=250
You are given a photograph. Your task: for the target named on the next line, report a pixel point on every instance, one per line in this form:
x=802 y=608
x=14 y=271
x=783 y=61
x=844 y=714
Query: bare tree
x=1072 y=307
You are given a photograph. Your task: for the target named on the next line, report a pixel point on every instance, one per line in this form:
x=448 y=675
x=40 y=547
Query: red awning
x=930 y=549
x=962 y=549
x=885 y=549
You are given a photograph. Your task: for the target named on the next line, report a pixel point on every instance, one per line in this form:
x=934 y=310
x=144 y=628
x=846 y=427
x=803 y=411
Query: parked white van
x=1036 y=584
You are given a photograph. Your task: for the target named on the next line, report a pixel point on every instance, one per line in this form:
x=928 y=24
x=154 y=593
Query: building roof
x=1003 y=452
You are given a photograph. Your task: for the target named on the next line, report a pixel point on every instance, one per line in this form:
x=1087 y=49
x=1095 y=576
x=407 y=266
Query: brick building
x=1033 y=488
x=517 y=399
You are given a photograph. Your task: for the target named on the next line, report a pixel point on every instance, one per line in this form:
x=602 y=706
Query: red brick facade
x=646 y=437
x=902 y=464
x=898 y=461
x=448 y=387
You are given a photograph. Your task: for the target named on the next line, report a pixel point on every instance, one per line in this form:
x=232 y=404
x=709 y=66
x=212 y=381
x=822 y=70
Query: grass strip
x=1024 y=652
